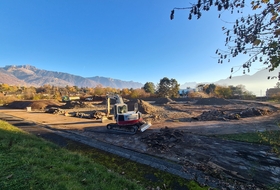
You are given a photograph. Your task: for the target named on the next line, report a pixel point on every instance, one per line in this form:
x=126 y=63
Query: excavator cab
x=122 y=109
x=119 y=111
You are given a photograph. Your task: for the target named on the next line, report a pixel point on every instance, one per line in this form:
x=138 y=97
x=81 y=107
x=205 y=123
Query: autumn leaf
x=273 y=18
x=277 y=32
x=257 y=42
x=255 y=7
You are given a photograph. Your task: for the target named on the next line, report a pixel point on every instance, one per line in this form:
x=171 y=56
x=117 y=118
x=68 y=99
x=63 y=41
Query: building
x=184 y=92
x=272 y=91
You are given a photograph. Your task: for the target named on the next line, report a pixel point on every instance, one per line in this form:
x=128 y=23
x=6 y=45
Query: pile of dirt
x=35 y=105
x=164 y=140
x=146 y=108
x=163 y=100
x=198 y=95
x=251 y=112
x=212 y=101
x=221 y=115
x=216 y=115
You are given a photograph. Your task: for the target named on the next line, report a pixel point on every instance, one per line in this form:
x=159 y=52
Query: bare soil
x=182 y=131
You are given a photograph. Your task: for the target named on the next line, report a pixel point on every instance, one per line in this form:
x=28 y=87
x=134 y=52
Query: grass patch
x=149 y=177
x=271 y=138
x=29 y=162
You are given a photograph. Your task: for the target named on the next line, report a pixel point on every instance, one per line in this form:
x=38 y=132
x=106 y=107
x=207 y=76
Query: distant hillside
x=115 y=83
x=30 y=75
x=188 y=85
x=257 y=83
x=8 y=78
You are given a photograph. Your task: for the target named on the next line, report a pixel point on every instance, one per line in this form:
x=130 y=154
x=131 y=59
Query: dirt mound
x=198 y=95
x=163 y=100
x=221 y=115
x=146 y=108
x=164 y=140
x=34 y=104
x=212 y=101
x=251 y=112
x=216 y=115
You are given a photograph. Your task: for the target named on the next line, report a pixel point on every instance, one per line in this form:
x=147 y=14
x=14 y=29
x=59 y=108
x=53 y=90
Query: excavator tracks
x=129 y=129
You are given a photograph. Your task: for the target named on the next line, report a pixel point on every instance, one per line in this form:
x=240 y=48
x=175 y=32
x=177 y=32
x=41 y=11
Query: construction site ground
x=183 y=132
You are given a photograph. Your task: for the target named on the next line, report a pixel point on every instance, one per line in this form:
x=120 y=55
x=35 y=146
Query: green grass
x=145 y=175
x=29 y=162
x=271 y=138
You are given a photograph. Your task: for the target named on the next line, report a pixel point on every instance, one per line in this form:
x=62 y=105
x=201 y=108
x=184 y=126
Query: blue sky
x=121 y=39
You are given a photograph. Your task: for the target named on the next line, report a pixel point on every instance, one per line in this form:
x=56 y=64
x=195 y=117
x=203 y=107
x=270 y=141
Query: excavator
x=125 y=121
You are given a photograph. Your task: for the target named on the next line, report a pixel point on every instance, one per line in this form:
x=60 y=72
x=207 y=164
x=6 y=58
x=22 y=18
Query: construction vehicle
x=70 y=98
x=125 y=121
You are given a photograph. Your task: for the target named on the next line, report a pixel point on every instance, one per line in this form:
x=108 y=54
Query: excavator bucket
x=145 y=126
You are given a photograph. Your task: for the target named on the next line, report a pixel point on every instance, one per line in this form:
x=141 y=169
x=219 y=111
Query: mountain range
x=257 y=83
x=27 y=75
x=32 y=76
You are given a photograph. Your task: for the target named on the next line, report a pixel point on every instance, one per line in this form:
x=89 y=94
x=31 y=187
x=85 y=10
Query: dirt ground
x=182 y=131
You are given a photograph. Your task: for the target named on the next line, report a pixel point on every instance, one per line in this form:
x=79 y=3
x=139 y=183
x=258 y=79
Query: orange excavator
x=125 y=121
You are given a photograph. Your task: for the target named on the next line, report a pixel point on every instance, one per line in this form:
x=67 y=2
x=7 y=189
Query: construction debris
x=164 y=140
x=55 y=110
x=250 y=112
x=219 y=115
x=216 y=115
x=92 y=115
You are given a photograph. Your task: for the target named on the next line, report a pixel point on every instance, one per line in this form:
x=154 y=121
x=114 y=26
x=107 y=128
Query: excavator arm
x=116 y=97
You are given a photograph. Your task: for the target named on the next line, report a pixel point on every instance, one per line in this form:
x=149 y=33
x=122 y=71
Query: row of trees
x=170 y=88
x=231 y=91
x=54 y=92
x=165 y=88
